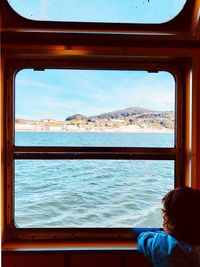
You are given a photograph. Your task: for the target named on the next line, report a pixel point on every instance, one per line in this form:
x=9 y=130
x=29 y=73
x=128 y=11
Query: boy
x=176 y=246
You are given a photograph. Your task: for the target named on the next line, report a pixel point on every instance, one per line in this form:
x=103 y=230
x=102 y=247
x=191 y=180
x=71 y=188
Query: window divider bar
x=129 y=153
x=94 y=155
x=43 y=149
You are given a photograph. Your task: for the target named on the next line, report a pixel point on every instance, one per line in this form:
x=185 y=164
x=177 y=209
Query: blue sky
x=133 y=11
x=57 y=94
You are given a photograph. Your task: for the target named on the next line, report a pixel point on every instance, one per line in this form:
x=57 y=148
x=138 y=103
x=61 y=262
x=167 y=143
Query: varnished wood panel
x=33 y=261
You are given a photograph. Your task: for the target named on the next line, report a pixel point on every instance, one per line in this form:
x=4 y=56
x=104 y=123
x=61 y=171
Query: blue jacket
x=163 y=250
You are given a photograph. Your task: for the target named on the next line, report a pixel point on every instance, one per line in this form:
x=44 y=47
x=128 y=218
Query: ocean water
x=91 y=193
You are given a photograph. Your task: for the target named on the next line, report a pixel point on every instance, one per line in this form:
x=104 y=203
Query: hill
x=140 y=117
x=134 y=119
x=134 y=113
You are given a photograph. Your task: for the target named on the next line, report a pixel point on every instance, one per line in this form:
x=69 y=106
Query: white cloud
x=44 y=9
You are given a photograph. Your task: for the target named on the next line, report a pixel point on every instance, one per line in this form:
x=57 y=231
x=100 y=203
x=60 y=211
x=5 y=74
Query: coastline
x=73 y=128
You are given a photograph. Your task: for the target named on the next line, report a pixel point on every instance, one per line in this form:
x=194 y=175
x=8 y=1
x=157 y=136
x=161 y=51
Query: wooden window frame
x=178 y=153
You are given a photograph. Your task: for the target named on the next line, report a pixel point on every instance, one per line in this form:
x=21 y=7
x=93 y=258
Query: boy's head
x=181 y=214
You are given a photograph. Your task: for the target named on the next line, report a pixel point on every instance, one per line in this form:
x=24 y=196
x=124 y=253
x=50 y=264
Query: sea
x=91 y=193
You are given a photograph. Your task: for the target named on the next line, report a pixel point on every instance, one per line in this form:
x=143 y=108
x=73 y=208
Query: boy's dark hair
x=182 y=214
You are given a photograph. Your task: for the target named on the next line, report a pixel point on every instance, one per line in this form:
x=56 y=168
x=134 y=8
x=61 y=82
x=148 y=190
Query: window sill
x=45 y=246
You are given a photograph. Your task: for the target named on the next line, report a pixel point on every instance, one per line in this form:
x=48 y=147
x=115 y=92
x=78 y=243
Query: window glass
x=94 y=108
x=90 y=193
x=129 y=11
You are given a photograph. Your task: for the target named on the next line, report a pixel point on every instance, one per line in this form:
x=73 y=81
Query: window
x=82 y=156
x=99 y=102
x=91 y=193
x=137 y=11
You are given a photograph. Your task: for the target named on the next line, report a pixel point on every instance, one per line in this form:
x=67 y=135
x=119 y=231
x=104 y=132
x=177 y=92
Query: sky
x=128 y=11
x=58 y=94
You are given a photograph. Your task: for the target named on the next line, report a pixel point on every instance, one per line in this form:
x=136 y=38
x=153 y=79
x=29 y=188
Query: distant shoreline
x=129 y=120
x=73 y=128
